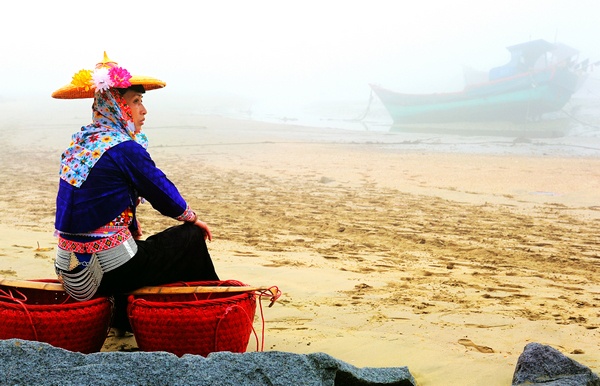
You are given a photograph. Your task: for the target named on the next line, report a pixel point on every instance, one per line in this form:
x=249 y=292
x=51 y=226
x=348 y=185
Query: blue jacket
x=121 y=175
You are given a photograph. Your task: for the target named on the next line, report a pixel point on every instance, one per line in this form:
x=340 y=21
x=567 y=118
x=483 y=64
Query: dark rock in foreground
x=34 y=363
x=540 y=364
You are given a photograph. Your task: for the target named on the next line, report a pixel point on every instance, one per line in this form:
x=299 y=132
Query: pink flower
x=101 y=79
x=119 y=77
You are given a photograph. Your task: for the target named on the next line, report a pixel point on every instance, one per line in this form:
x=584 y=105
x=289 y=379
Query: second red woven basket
x=193 y=323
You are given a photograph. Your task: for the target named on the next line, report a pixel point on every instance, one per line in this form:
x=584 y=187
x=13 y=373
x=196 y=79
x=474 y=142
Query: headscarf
x=112 y=125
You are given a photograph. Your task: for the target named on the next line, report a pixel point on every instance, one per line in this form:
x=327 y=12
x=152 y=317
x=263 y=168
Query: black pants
x=173 y=255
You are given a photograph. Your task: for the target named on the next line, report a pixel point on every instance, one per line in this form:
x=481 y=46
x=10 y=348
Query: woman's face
x=138 y=111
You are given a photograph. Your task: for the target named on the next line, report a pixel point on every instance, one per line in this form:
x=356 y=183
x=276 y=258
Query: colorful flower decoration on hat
x=105 y=75
x=101 y=79
x=83 y=79
x=119 y=77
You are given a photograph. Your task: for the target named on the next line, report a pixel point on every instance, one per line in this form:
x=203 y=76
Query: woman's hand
x=205 y=229
x=137 y=233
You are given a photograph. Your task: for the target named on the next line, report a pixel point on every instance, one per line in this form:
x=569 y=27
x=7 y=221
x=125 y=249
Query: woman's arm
x=152 y=184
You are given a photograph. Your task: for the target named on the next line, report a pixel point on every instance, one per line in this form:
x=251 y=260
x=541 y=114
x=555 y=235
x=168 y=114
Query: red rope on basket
x=260 y=294
x=187 y=285
x=10 y=296
x=230 y=308
x=262 y=334
x=248 y=317
x=273 y=298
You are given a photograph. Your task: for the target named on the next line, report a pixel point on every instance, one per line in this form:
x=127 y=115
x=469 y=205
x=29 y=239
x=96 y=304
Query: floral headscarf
x=112 y=125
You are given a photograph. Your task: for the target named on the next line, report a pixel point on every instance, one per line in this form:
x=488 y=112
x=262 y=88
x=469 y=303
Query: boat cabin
x=523 y=58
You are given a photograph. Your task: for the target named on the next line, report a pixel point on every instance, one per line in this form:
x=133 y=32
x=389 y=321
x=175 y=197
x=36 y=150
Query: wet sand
x=447 y=263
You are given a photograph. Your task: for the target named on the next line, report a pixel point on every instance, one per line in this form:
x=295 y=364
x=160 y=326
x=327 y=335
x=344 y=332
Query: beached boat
x=528 y=86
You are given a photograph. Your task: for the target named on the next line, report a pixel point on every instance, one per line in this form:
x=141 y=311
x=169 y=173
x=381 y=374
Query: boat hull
x=516 y=99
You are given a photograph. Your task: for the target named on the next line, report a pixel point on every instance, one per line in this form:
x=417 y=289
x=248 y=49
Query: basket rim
x=140 y=301
x=6 y=303
x=42 y=307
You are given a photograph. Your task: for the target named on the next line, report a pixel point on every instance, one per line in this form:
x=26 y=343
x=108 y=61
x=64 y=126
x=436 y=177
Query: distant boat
x=528 y=86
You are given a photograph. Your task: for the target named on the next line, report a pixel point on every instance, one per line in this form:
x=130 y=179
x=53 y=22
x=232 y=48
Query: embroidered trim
x=187 y=215
x=109 y=259
x=95 y=245
x=102 y=231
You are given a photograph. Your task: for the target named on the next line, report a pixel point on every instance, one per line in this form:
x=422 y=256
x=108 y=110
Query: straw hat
x=106 y=74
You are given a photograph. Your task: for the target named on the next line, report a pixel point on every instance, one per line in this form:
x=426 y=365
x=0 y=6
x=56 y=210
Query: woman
x=105 y=172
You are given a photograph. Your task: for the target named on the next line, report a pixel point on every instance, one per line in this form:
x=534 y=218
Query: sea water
x=573 y=131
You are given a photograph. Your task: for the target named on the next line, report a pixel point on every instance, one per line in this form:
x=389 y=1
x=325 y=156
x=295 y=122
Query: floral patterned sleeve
x=188 y=215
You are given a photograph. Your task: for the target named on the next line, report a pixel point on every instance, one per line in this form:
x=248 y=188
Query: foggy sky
x=284 y=51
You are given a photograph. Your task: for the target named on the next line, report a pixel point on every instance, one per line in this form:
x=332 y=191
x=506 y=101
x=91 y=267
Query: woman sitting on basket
x=104 y=174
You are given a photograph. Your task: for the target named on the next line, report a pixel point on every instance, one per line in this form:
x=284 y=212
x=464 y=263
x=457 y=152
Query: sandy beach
x=387 y=254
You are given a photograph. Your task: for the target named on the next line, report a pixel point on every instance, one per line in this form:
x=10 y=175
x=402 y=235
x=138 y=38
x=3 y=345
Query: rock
x=541 y=364
x=35 y=363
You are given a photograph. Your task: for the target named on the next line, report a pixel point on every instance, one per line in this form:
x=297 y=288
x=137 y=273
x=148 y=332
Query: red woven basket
x=54 y=317
x=193 y=323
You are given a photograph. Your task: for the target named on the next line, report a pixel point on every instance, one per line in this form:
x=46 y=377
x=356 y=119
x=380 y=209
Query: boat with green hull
x=518 y=91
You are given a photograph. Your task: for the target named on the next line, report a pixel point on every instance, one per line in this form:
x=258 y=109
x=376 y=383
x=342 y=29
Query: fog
x=273 y=55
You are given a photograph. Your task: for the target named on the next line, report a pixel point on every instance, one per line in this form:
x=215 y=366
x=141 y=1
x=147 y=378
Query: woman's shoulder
x=129 y=152
x=127 y=145
x=129 y=148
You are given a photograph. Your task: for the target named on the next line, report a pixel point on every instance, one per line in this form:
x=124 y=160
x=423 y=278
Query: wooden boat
x=517 y=92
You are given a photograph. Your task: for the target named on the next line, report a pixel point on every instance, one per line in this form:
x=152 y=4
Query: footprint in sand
x=469 y=343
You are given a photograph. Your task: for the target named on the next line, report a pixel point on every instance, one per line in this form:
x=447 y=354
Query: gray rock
x=541 y=364
x=34 y=363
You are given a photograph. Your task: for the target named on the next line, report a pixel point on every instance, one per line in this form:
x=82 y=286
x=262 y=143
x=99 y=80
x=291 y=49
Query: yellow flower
x=83 y=79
